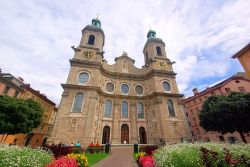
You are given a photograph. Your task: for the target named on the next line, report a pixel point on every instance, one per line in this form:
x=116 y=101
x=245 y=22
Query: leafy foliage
x=203 y=154
x=148 y=149
x=226 y=113
x=58 y=150
x=19 y=115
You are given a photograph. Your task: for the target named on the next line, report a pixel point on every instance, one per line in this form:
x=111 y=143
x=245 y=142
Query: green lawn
x=94 y=158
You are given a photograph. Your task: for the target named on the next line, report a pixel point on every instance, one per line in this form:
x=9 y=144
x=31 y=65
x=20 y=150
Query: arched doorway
x=124 y=134
x=44 y=141
x=143 y=136
x=105 y=135
x=28 y=138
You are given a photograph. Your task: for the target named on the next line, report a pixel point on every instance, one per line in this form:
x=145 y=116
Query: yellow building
x=39 y=135
x=119 y=103
x=244 y=57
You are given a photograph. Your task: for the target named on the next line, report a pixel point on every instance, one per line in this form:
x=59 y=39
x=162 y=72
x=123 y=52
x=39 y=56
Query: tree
x=18 y=115
x=227 y=114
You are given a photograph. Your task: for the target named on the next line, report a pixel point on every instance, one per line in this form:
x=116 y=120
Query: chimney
x=20 y=79
x=195 y=91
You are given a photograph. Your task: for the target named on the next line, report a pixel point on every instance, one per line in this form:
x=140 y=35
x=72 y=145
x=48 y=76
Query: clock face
x=87 y=54
x=162 y=64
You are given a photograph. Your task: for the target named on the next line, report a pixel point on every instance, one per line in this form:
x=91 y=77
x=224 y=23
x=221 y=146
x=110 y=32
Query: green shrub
x=23 y=156
x=191 y=155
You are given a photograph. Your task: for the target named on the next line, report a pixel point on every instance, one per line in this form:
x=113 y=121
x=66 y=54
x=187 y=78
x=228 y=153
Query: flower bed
x=207 y=154
x=144 y=160
x=23 y=156
x=58 y=150
x=64 y=162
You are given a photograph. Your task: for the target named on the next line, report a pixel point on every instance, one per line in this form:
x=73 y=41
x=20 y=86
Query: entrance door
x=124 y=134
x=143 y=136
x=105 y=135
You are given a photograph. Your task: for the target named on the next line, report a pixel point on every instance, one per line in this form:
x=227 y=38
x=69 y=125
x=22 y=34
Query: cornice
x=99 y=91
x=140 y=77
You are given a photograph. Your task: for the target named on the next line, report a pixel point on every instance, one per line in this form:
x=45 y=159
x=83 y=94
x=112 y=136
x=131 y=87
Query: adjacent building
x=15 y=87
x=119 y=103
x=244 y=57
x=239 y=82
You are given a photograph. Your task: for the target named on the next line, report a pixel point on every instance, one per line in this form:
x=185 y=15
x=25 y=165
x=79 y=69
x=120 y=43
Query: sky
x=201 y=36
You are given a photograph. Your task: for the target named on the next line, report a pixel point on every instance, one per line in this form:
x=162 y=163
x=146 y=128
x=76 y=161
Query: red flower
x=147 y=161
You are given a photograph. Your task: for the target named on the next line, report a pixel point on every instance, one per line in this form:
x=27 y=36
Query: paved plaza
x=120 y=157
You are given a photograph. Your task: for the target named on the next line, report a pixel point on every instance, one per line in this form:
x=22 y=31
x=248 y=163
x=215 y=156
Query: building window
x=83 y=78
x=231 y=139
x=198 y=130
x=175 y=127
x=6 y=90
x=228 y=90
x=72 y=125
x=147 y=61
x=16 y=94
x=166 y=86
x=242 y=89
x=158 y=50
x=124 y=109
x=140 y=110
x=108 y=109
x=192 y=133
x=186 y=114
x=77 y=106
x=139 y=90
x=124 y=88
x=222 y=139
x=171 y=108
x=41 y=128
x=91 y=40
x=189 y=124
x=48 y=131
x=194 y=120
x=110 y=87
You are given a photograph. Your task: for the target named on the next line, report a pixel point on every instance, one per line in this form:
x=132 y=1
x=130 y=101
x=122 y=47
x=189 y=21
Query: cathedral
x=119 y=103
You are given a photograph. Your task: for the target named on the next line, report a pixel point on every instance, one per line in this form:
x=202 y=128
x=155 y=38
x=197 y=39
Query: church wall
x=91 y=121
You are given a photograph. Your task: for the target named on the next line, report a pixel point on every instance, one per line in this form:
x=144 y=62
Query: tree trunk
x=242 y=137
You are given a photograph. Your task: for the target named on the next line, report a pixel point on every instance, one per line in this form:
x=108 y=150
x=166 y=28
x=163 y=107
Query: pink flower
x=64 y=162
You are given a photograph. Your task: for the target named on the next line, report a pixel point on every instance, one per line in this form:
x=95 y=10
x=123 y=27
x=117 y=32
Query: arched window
x=124 y=109
x=140 y=110
x=91 y=40
x=158 y=50
x=171 y=108
x=147 y=57
x=77 y=106
x=108 y=109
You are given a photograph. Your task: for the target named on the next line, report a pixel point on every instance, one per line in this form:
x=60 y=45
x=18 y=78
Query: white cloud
x=36 y=36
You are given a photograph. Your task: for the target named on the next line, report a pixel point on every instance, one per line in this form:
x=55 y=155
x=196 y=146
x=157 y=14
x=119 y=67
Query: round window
x=124 y=88
x=110 y=87
x=139 y=89
x=83 y=78
x=166 y=86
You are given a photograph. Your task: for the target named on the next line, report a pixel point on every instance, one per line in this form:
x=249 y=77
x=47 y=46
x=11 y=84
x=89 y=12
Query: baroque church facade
x=119 y=103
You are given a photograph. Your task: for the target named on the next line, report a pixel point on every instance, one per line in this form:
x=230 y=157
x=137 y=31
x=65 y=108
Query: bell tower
x=93 y=36
x=153 y=48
